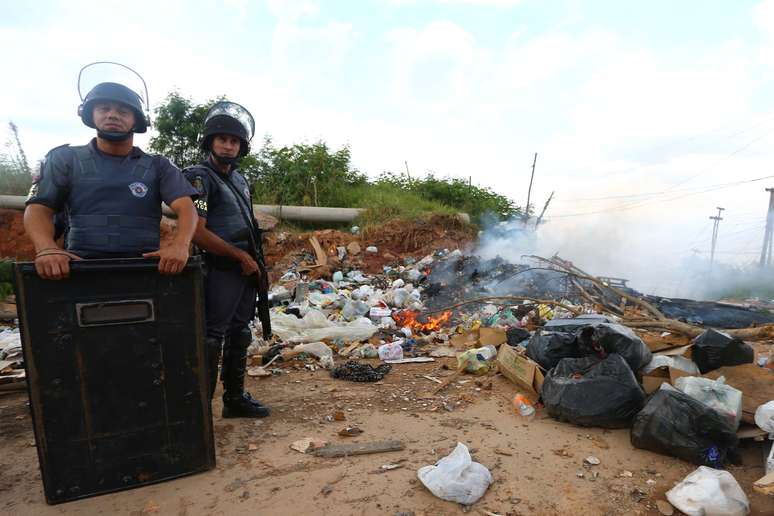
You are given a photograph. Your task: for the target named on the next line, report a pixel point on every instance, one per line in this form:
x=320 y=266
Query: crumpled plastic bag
x=547 y=348
x=714 y=349
x=709 y=492
x=391 y=351
x=764 y=417
x=677 y=362
x=592 y=392
x=456 y=478
x=715 y=394
x=606 y=338
x=314 y=326
x=674 y=423
x=476 y=361
x=319 y=350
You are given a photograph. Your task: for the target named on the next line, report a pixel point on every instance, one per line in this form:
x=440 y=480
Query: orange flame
x=409 y=318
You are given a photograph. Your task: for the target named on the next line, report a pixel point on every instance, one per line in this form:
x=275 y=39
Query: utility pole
x=717 y=218
x=529 y=191
x=766 y=249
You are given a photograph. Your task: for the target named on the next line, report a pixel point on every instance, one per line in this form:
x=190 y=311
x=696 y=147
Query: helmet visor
x=101 y=72
x=235 y=111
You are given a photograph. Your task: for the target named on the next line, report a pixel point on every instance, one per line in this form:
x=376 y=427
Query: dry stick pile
x=650 y=316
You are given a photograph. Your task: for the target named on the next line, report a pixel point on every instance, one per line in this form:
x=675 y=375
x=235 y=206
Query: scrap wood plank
x=751 y=432
x=765 y=485
x=756 y=384
x=320 y=256
x=345 y=450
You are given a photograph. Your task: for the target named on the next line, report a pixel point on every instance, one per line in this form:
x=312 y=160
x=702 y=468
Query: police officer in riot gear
x=109 y=191
x=225 y=213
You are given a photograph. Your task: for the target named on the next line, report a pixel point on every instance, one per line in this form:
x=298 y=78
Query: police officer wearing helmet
x=225 y=213
x=110 y=192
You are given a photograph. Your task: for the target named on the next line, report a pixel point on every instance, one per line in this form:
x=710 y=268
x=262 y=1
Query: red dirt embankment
x=13 y=242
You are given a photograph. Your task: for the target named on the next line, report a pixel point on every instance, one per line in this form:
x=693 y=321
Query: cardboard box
x=520 y=370
x=491 y=336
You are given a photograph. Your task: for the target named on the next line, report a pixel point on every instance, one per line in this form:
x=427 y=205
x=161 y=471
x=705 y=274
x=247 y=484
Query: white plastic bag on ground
x=715 y=394
x=391 y=351
x=315 y=326
x=681 y=363
x=456 y=477
x=709 y=492
x=319 y=350
x=764 y=417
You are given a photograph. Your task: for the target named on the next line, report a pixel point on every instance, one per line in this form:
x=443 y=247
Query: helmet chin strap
x=113 y=136
x=224 y=160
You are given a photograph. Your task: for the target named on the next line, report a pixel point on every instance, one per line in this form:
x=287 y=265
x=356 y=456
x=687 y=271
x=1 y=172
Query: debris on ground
x=357 y=372
x=709 y=491
x=456 y=477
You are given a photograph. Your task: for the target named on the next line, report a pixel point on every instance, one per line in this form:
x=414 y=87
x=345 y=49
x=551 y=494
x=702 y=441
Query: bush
x=313 y=175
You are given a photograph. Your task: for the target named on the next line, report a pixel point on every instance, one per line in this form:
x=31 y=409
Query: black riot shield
x=116 y=374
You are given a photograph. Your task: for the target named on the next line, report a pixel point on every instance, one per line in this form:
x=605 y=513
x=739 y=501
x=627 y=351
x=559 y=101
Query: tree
x=304 y=174
x=179 y=123
x=314 y=175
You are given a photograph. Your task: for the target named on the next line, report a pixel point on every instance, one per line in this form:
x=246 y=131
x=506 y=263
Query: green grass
x=384 y=203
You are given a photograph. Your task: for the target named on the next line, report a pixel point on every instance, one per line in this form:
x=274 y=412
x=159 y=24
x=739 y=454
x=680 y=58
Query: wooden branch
x=320 y=256
x=578 y=273
x=764 y=332
x=576 y=311
x=345 y=450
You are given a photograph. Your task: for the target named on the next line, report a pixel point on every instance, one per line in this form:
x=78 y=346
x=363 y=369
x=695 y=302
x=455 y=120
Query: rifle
x=253 y=233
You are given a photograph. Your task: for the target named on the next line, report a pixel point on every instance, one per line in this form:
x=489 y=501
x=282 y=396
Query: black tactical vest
x=113 y=210
x=224 y=212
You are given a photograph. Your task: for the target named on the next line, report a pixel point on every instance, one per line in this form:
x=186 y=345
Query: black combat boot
x=212 y=348
x=237 y=402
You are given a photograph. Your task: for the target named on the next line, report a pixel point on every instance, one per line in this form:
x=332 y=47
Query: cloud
x=291 y=10
x=431 y=66
x=483 y=3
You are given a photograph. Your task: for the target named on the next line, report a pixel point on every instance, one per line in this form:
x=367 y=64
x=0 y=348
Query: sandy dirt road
x=535 y=464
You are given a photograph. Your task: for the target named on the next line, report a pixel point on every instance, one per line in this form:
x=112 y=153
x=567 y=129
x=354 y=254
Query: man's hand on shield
x=172 y=259
x=53 y=263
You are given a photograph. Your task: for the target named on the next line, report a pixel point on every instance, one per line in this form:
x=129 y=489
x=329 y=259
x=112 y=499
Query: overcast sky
x=659 y=104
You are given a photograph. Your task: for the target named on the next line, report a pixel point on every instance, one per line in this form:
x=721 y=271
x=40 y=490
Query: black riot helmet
x=113 y=92
x=110 y=81
x=228 y=118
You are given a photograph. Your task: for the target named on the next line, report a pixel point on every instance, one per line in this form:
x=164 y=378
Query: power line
x=675 y=186
x=624 y=207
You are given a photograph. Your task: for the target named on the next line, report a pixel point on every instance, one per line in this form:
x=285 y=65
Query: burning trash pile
x=589 y=351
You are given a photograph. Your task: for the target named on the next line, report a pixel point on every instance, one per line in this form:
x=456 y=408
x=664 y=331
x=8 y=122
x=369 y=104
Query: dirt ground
x=535 y=464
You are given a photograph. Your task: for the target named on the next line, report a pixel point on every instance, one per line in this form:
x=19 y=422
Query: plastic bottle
x=487 y=352
x=523 y=406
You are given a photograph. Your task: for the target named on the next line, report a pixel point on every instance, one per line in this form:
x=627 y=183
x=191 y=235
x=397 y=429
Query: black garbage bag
x=516 y=335
x=713 y=349
x=576 y=323
x=590 y=391
x=548 y=348
x=357 y=372
x=606 y=338
x=673 y=423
